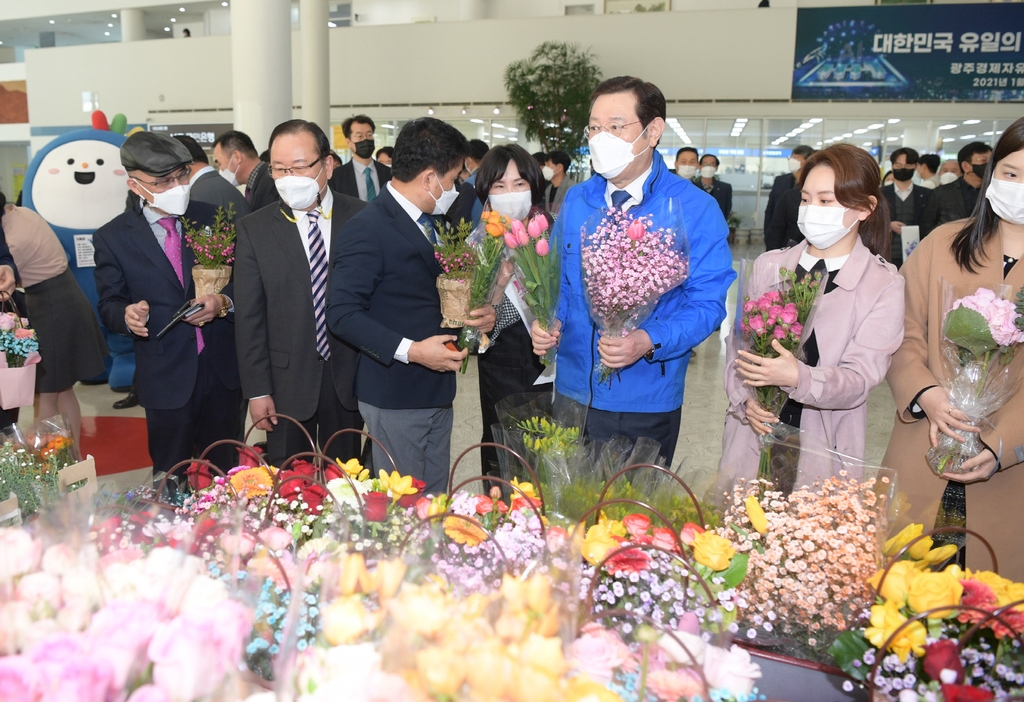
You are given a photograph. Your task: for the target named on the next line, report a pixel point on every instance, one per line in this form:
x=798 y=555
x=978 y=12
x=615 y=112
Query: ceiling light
x=948 y=126
x=815 y=120
x=818 y=144
x=224 y=4
x=388 y=126
x=969 y=136
x=860 y=131
x=894 y=120
x=806 y=125
x=476 y=121
x=110 y=24
x=672 y=120
x=486 y=133
x=53 y=22
x=499 y=136
x=173 y=19
x=497 y=110
x=513 y=138
x=114 y=15
x=876 y=126
x=1 y=42
x=106 y=34
x=167 y=29
x=744 y=120
x=430 y=110
x=497 y=126
x=893 y=139
x=513 y=129
x=972 y=121
x=799 y=130
x=181 y=9
x=988 y=133
x=867 y=143
x=847 y=135
x=463 y=110
x=332 y=25
x=948 y=139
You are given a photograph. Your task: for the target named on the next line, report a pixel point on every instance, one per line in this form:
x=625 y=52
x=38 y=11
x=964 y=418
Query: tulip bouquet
x=629 y=262
x=780 y=314
x=540 y=266
x=662 y=666
x=910 y=643
x=214 y=249
x=980 y=333
x=810 y=555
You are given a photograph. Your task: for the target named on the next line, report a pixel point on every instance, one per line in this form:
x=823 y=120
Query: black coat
x=721 y=191
x=275 y=327
x=384 y=289
x=343 y=180
x=131 y=267
x=783 y=184
x=212 y=189
x=263 y=192
x=783 y=230
x=946 y=204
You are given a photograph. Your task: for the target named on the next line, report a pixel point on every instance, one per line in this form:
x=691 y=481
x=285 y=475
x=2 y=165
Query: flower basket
x=210 y=281
x=796 y=680
x=455 y=293
x=17 y=386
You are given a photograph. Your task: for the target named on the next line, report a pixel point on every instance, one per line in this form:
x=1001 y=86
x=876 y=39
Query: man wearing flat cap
x=188 y=378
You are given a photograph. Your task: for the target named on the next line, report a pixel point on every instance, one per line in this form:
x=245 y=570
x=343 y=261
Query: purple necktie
x=172 y=247
x=318 y=279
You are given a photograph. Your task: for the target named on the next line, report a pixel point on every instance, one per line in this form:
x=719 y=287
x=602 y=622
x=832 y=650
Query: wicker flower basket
x=455 y=295
x=210 y=281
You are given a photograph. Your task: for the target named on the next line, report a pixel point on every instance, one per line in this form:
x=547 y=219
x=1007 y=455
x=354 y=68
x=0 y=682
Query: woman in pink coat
x=857 y=327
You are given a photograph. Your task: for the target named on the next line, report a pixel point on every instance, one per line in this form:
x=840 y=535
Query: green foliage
x=543 y=437
x=969 y=330
x=849 y=647
x=1020 y=309
x=550 y=91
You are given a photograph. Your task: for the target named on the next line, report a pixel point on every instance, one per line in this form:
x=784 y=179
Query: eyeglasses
x=294 y=170
x=180 y=178
x=615 y=130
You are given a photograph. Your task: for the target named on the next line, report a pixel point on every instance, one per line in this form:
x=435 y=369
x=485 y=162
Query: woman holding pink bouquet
x=508 y=182
x=856 y=328
x=980 y=252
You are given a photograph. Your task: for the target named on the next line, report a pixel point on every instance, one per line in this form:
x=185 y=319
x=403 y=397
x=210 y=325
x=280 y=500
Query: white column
x=472 y=10
x=261 y=66
x=133 y=26
x=315 y=61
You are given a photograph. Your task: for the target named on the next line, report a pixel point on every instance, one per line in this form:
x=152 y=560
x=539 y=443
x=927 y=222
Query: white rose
x=695 y=646
x=203 y=592
x=731 y=670
x=41 y=590
x=19 y=553
x=59 y=559
x=908 y=696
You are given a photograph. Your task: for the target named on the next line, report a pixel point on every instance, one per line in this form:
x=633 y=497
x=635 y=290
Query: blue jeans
x=663 y=427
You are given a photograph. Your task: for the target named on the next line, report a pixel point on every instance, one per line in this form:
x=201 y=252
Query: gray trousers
x=418 y=439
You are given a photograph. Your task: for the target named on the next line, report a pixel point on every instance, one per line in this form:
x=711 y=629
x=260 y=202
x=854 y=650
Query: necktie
x=619 y=198
x=371 y=190
x=426 y=223
x=318 y=279
x=172 y=248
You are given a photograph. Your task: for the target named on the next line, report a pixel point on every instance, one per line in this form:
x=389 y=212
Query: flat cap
x=155 y=154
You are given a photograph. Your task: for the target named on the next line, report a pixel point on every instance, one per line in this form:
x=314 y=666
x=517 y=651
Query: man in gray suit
x=206 y=184
x=289 y=362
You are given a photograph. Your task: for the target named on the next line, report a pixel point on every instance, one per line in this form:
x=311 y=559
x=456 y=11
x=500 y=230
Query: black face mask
x=903 y=174
x=364 y=148
x=979 y=169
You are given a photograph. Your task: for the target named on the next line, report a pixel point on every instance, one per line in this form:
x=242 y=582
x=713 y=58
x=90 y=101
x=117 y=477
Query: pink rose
x=18 y=681
x=24 y=333
x=276 y=538
x=797 y=329
x=19 y=553
x=423 y=507
x=663 y=538
x=511 y=241
x=597 y=653
x=789 y=313
x=689 y=532
x=538 y=225
x=40 y=588
x=775 y=311
x=120 y=633
x=240 y=544
x=149 y=693
x=756 y=324
x=689 y=623
x=764 y=304
x=636 y=524
x=730 y=670
x=542 y=247
x=520 y=233
x=68 y=670
x=7 y=321
x=779 y=333
x=672 y=685
x=749 y=306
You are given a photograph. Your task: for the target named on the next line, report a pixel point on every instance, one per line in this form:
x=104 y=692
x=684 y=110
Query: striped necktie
x=318 y=279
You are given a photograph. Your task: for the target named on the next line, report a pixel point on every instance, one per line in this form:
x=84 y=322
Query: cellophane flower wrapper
x=490 y=253
x=810 y=551
x=539 y=267
x=979 y=339
x=771 y=305
x=629 y=261
x=24 y=473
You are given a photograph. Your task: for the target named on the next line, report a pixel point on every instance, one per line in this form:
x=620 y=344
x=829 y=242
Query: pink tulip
x=519 y=232
x=542 y=247
x=636 y=230
x=511 y=241
x=537 y=226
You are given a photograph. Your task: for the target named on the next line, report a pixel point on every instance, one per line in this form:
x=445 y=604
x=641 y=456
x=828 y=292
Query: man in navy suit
x=362 y=177
x=383 y=300
x=187 y=380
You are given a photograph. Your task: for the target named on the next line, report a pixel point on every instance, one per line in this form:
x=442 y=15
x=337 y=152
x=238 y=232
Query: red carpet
x=118 y=444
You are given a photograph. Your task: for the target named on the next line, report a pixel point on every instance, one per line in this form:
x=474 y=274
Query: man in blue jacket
x=645 y=396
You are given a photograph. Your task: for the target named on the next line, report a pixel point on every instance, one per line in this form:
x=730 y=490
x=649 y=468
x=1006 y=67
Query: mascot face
x=80 y=185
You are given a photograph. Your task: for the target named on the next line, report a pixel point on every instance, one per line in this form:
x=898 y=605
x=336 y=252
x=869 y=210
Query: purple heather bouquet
x=629 y=261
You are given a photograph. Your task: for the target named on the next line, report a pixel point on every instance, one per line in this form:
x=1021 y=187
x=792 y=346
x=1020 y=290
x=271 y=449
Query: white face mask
x=1007 y=200
x=548 y=172
x=298 y=192
x=794 y=165
x=687 y=172
x=230 y=176
x=822 y=226
x=514 y=205
x=447 y=199
x=708 y=171
x=947 y=178
x=610 y=155
x=173 y=202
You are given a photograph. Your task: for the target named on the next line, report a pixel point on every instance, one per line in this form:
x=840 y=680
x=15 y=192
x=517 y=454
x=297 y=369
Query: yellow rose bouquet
x=950 y=634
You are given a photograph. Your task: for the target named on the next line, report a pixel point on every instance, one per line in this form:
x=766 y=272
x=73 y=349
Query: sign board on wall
x=204 y=134
x=930 y=53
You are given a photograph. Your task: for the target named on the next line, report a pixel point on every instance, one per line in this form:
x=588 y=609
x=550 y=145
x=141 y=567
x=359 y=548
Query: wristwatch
x=225 y=305
x=650 y=354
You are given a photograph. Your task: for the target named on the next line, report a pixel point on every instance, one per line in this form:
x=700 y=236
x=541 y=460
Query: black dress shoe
x=130 y=401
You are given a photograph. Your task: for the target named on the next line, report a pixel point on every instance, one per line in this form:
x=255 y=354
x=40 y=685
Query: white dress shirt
x=903 y=194
x=807 y=262
x=414 y=212
x=635 y=189
x=361 y=178
x=325 y=209
x=202 y=171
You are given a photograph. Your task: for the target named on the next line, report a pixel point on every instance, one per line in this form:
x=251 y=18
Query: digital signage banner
x=912 y=52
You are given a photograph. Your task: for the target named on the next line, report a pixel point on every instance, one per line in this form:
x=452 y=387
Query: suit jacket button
x=192 y=338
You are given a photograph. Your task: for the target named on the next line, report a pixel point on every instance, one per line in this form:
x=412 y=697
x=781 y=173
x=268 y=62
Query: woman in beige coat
x=980 y=251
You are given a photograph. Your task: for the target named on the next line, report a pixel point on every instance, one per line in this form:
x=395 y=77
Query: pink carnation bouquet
x=629 y=262
x=980 y=331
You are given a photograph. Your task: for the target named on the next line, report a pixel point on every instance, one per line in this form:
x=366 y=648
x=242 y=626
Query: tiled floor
x=699 y=438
